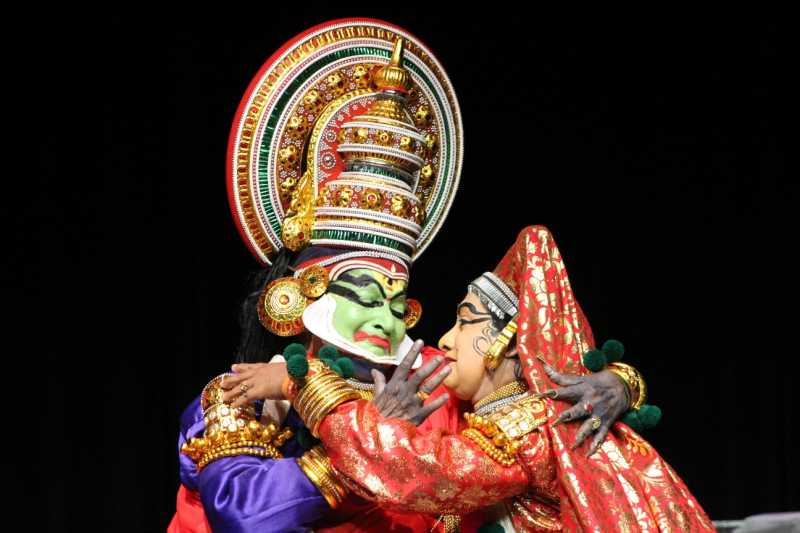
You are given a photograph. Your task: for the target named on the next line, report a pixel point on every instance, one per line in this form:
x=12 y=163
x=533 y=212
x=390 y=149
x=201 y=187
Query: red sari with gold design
x=625 y=486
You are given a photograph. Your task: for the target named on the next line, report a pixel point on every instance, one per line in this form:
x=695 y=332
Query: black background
x=653 y=148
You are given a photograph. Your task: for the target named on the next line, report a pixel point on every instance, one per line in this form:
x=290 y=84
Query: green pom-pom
x=305 y=439
x=594 y=360
x=328 y=362
x=614 y=350
x=346 y=366
x=294 y=348
x=328 y=352
x=631 y=418
x=493 y=527
x=336 y=368
x=297 y=366
x=649 y=416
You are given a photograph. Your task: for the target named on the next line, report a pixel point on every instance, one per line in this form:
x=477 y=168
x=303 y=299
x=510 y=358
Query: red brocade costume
x=625 y=486
x=355 y=514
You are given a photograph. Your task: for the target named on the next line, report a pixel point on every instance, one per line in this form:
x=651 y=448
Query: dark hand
x=399 y=397
x=601 y=397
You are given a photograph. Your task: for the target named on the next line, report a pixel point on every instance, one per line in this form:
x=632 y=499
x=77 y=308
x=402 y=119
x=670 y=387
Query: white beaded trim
x=371 y=215
x=500 y=284
x=380 y=126
x=355 y=174
x=497 y=404
x=360 y=385
x=494 y=297
x=394 y=152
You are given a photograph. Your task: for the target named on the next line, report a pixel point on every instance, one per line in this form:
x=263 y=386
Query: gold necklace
x=507 y=390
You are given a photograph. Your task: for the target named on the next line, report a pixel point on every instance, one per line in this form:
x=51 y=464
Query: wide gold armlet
x=231 y=431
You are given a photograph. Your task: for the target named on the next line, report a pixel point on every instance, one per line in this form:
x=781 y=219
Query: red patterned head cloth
x=626 y=485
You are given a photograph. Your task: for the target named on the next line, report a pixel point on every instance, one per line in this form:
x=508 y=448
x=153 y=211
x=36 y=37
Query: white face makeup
x=362 y=315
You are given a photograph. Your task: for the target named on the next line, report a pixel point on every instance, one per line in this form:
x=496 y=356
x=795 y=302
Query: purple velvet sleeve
x=247 y=493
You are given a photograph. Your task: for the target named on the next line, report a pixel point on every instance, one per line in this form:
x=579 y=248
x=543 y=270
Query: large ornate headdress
x=348 y=140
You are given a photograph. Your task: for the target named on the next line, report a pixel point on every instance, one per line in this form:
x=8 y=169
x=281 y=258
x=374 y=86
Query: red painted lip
x=359 y=336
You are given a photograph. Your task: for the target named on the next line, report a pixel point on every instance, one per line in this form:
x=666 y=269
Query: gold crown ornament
x=349 y=137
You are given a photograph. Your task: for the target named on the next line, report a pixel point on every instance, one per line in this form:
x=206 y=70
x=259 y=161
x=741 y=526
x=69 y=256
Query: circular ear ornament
x=281 y=306
x=413 y=313
x=314 y=281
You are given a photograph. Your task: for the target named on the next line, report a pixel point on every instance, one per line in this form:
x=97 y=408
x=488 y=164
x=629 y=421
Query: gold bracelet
x=338 y=397
x=317 y=392
x=322 y=388
x=319 y=471
x=634 y=381
x=320 y=394
x=320 y=381
x=317 y=466
x=232 y=431
x=267 y=453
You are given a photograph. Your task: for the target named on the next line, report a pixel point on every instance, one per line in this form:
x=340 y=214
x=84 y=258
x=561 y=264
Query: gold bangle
x=634 y=380
x=233 y=452
x=314 y=397
x=268 y=451
x=338 y=397
x=317 y=466
x=305 y=401
x=320 y=394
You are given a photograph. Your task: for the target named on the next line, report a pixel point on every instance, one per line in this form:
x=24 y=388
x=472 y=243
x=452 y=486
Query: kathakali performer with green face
x=369 y=310
x=343 y=163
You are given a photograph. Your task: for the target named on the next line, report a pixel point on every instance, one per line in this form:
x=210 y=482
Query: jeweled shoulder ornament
x=349 y=136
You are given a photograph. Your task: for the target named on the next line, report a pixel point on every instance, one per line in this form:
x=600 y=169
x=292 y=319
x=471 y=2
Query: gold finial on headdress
x=393 y=75
x=397 y=54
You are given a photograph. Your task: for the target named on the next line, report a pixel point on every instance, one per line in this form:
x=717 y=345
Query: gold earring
x=281 y=306
x=314 y=281
x=413 y=313
x=500 y=345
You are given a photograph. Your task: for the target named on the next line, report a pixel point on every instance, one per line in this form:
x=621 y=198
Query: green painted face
x=369 y=309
